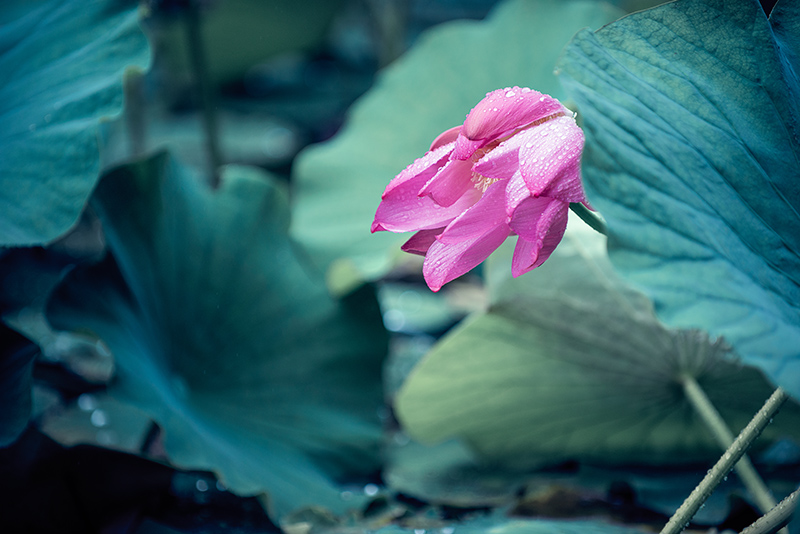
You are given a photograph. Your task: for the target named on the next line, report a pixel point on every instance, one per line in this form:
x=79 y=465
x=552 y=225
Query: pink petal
x=540 y=224
x=446 y=137
x=516 y=192
x=503 y=161
x=421 y=241
x=424 y=168
x=402 y=210
x=450 y=183
x=501 y=113
x=550 y=159
x=446 y=262
x=484 y=215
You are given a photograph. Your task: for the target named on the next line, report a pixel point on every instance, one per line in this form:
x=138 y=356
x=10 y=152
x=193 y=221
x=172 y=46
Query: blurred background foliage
x=216 y=343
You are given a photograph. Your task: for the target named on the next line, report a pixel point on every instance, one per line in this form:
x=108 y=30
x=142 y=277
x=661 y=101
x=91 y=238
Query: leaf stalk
x=777 y=518
x=197 y=56
x=732 y=455
x=724 y=437
x=595 y=221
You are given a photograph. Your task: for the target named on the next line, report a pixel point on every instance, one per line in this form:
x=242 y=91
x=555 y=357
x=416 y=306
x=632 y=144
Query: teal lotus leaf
x=691 y=117
x=570 y=363
x=226 y=339
x=62 y=64
x=16 y=377
x=339 y=183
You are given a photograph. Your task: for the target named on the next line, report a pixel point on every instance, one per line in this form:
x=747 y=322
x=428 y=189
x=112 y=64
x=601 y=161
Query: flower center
x=480 y=181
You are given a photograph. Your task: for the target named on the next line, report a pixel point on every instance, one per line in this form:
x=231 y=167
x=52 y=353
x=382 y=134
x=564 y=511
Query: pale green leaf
x=430 y=89
x=571 y=363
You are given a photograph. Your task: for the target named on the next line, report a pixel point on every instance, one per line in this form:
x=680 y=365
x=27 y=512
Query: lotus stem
x=589 y=217
x=777 y=518
x=135 y=112
x=714 y=421
x=197 y=56
x=732 y=455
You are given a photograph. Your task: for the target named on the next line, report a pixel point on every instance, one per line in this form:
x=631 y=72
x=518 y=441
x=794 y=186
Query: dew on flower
x=483 y=156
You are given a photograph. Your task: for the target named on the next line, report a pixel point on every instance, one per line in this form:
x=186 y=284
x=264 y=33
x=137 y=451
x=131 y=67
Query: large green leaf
x=224 y=337
x=570 y=363
x=62 y=63
x=692 y=155
x=433 y=87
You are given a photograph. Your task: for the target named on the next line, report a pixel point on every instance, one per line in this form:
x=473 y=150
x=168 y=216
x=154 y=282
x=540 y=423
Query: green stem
x=777 y=518
x=197 y=55
x=714 y=421
x=135 y=111
x=589 y=217
x=723 y=466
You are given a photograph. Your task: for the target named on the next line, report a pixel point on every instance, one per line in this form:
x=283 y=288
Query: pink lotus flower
x=511 y=169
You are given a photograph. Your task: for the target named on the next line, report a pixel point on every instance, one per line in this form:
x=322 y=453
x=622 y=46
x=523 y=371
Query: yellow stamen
x=481 y=182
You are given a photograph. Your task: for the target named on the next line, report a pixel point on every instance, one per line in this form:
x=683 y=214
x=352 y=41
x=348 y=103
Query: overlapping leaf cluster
x=224 y=331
